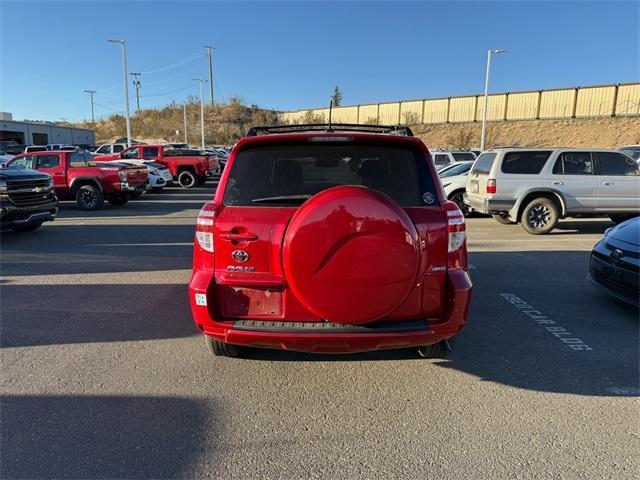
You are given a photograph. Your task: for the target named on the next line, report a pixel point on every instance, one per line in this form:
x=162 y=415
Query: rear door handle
x=607 y=184
x=558 y=183
x=239 y=237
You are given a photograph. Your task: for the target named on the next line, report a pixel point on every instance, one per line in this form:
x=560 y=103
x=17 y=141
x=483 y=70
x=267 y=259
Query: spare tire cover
x=351 y=255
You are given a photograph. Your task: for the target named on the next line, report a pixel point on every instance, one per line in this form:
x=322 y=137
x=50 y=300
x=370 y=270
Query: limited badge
x=428 y=198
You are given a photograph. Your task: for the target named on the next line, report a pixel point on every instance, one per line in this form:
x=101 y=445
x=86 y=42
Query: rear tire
x=621 y=217
x=221 y=349
x=436 y=350
x=458 y=199
x=28 y=228
x=540 y=216
x=89 y=197
x=118 y=201
x=502 y=218
x=187 y=179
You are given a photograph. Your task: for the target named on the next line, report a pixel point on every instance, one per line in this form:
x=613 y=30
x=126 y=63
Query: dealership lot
x=105 y=375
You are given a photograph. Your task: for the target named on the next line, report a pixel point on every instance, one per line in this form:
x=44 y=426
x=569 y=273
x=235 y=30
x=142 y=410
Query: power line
x=192 y=57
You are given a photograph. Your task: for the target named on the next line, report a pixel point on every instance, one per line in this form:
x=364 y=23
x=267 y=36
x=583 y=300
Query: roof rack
x=333 y=127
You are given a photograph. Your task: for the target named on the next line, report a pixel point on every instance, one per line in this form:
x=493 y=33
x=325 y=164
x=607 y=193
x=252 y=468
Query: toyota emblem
x=617 y=254
x=240 y=256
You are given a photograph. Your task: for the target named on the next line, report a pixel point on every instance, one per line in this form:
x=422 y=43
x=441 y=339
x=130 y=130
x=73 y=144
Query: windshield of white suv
x=290 y=174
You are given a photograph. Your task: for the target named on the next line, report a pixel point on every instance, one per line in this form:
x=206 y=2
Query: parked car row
x=32 y=182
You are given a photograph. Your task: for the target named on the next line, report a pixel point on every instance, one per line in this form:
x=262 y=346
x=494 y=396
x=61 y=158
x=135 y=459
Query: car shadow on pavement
x=575 y=226
x=62 y=314
x=102 y=436
x=501 y=344
x=94 y=248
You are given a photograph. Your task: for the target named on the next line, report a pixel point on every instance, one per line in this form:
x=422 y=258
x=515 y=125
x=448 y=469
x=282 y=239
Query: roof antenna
x=330 y=110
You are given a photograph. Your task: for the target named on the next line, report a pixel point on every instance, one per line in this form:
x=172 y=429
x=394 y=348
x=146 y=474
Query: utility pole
x=184 y=112
x=483 y=137
x=136 y=83
x=209 y=48
x=125 y=80
x=91 y=94
x=202 y=82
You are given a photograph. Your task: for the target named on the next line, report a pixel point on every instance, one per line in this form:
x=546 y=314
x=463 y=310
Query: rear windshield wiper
x=282 y=199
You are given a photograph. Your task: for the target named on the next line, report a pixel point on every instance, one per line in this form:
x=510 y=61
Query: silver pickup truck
x=537 y=186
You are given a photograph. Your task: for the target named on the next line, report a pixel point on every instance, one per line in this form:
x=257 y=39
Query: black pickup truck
x=27 y=199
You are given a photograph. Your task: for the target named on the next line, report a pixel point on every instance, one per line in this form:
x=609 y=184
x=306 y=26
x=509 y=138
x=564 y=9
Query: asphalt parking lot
x=105 y=376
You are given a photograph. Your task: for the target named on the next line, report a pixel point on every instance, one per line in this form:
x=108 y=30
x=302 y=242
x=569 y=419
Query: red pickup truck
x=77 y=176
x=188 y=166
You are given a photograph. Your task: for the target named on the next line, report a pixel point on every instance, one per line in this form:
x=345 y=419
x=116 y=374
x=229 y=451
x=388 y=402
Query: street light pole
x=184 y=113
x=125 y=80
x=91 y=93
x=483 y=137
x=202 y=82
x=209 y=48
x=136 y=83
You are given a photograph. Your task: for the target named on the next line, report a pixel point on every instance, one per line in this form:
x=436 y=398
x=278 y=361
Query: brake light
x=204 y=226
x=455 y=227
x=491 y=185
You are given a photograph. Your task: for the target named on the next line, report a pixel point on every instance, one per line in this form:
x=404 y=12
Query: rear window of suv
x=483 y=163
x=290 y=174
x=524 y=163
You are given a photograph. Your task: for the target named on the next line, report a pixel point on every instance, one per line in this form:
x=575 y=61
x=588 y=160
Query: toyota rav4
x=330 y=239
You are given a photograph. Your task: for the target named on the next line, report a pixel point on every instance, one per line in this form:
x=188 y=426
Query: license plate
x=474 y=186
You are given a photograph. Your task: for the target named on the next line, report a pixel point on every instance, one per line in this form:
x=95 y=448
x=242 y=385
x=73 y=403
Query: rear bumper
x=129 y=188
x=489 y=205
x=335 y=339
x=12 y=216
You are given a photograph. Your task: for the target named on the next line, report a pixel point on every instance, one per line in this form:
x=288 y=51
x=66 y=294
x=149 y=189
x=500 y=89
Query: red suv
x=330 y=239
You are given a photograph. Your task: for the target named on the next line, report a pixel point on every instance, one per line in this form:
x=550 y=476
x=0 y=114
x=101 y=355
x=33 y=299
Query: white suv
x=536 y=187
x=445 y=157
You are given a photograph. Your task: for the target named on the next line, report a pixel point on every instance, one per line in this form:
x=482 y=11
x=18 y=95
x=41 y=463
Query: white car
x=454 y=181
x=442 y=158
x=159 y=175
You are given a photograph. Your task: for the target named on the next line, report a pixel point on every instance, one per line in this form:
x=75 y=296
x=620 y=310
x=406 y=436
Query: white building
x=42 y=133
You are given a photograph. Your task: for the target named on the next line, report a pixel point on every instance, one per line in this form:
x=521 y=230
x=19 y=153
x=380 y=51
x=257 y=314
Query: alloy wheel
x=539 y=216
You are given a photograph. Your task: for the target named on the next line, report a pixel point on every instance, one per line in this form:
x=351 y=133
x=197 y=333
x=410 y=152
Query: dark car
x=615 y=262
x=27 y=199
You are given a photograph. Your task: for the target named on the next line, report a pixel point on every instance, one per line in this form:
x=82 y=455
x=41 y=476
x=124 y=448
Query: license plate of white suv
x=474 y=186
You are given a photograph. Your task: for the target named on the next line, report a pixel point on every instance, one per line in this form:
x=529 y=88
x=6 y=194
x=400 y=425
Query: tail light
x=204 y=226
x=491 y=185
x=456 y=236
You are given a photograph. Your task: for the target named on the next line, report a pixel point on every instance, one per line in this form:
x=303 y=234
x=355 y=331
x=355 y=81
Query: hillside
x=224 y=123
x=592 y=132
